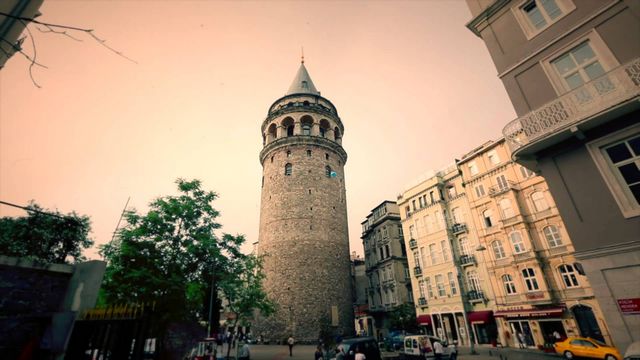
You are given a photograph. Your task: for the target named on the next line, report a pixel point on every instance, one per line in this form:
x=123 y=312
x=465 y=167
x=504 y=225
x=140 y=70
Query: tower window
x=309 y=153
x=326 y=156
x=306 y=129
x=327 y=171
x=322 y=132
x=288 y=153
x=290 y=130
x=287 y=169
x=272 y=159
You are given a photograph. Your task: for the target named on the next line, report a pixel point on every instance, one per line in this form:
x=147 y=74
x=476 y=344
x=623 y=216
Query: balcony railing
x=458 y=228
x=499 y=189
x=615 y=87
x=475 y=296
x=422 y=301
x=413 y=244
x=417 y=271
x=466 y=260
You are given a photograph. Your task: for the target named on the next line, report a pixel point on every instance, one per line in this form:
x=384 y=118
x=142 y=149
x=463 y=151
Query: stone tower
x=303 y=216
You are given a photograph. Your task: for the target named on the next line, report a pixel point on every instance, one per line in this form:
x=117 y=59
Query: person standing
x=438 y=350
x=522 y=339
x=290 y=342
x=318 y=354
x=359 y=354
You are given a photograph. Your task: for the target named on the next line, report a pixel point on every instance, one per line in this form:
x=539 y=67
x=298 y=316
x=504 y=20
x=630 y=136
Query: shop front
x=535 y=327
x=484 y=327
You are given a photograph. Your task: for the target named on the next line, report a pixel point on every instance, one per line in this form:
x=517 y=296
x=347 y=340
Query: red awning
x=424 y=320
x=480 y=316
x=526 y=313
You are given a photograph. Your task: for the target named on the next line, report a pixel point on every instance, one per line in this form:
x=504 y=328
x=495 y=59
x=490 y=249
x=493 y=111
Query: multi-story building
x=386 y=267
x=572 y=71
x=359 y=294
x=449 y=284
x=538 y=284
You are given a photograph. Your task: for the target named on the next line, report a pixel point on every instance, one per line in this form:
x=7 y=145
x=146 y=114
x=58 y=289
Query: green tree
x=172 y=256
x=45 y=235
x=403 y=317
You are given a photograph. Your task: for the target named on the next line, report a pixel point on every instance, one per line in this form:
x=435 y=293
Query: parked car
x=573 y=347
x=417 y=346
x=367 y=345
x=633 y=351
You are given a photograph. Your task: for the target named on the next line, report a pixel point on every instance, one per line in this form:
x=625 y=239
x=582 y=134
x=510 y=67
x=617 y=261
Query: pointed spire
x=302 y=83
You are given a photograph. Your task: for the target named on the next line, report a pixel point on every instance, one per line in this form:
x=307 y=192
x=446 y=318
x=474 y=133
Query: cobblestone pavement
x=305 y=352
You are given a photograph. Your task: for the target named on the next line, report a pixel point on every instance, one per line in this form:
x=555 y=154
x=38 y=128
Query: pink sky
x=413 y=86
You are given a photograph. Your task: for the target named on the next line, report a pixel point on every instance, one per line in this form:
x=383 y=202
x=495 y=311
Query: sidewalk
x=491 y=353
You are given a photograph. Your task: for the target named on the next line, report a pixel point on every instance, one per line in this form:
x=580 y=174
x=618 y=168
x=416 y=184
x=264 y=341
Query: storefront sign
x=536 y=295
x=629 y=306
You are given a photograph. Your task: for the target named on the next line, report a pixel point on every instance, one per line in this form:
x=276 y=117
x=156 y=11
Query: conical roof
x=302 y=83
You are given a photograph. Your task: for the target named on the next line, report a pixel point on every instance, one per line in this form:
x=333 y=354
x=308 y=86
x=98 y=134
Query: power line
x=42 y=212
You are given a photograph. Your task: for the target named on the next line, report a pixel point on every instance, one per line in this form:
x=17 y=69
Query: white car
x=417 y=345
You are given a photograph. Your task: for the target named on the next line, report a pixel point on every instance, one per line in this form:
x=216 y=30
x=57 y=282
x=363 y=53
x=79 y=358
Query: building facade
x=451 y=294
x=572 y=71
x=303 y=217
x=539 y=286
x=388 y=282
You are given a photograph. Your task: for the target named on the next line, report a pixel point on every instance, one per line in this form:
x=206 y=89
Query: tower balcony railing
x=422 y=301
x=417 y=271
x=413 y=244
x=615 y=87
x=476 y=296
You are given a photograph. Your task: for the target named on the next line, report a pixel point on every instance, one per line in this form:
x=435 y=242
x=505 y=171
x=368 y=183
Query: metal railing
x=499 y=189
x=616 y=86
x=475 y=295
x=417 y=271
x=413 y=244
x=422 y=301
x=466 y=260
x=458 y=228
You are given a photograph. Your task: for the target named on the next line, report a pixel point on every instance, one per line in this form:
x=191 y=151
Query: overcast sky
x=414 y=88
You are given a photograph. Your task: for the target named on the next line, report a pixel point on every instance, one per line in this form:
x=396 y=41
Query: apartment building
x=539 y=286
x=386 y=269
x=453 y=300
x=572 y=71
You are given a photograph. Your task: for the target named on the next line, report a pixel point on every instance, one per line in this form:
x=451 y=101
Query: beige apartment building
x=572 y=71
x=539 y=286
x=387 y=271
x=453 y=300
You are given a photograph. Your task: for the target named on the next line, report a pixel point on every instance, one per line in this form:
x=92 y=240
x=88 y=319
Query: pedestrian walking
x=438 y=350
x=290 y=342
x=318 y=353
x=522 y=339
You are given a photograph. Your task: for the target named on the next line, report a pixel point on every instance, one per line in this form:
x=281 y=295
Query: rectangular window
x=526 y=173
x=479 y=191
x=429 y=288
x=421 y=288
x=618 y=159
x=440 y=285
x=452 y=283
x=473 y=168
x=536 y=15
x=424 y=255
x=438 y=220
x=529 y=276
x=494 y=159
x=451 y=191
x=502 y=183
x=445 y=250
x=433 y=254
x=416 y=258
x=427 y=224
x=578 y=66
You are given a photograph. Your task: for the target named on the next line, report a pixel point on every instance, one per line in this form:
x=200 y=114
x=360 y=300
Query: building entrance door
x=551 y=328
x=587 y=322
x=522 y=327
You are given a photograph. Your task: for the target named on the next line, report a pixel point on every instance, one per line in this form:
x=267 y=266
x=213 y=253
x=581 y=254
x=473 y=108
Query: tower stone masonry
x=303 y=217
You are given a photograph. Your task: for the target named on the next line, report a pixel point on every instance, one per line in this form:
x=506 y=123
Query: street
x=305 y=352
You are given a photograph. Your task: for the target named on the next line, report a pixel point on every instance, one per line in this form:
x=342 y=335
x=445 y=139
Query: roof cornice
x=475 y=23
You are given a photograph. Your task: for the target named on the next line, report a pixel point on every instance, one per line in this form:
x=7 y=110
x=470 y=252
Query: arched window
x=568 y=274
x=488 y=221
x=324 y=127
x=498 y=250
x=272 y=131
x=552 y=235
x=517 y=242
x=306 y=129
x=529 y=276
x=307 y=123
x=288 y=125
x=539 y=202
x=327 y=171
x=473 y=281
x=287 y=169
x=509 y=285
x=507 y=210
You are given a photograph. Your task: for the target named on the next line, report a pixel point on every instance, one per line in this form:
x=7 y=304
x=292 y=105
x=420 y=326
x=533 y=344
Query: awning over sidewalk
x=424 y=320
x=527 y=313
x=480 y=317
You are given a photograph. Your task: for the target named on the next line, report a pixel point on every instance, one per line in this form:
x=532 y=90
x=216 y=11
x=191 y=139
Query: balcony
x=413 y=244
x=467 y=260
x=476 y=296
x=614 y=88
x=524 y=256
x=458 y=228
x=500 y=189
x=422 y=301
x=417 y=271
